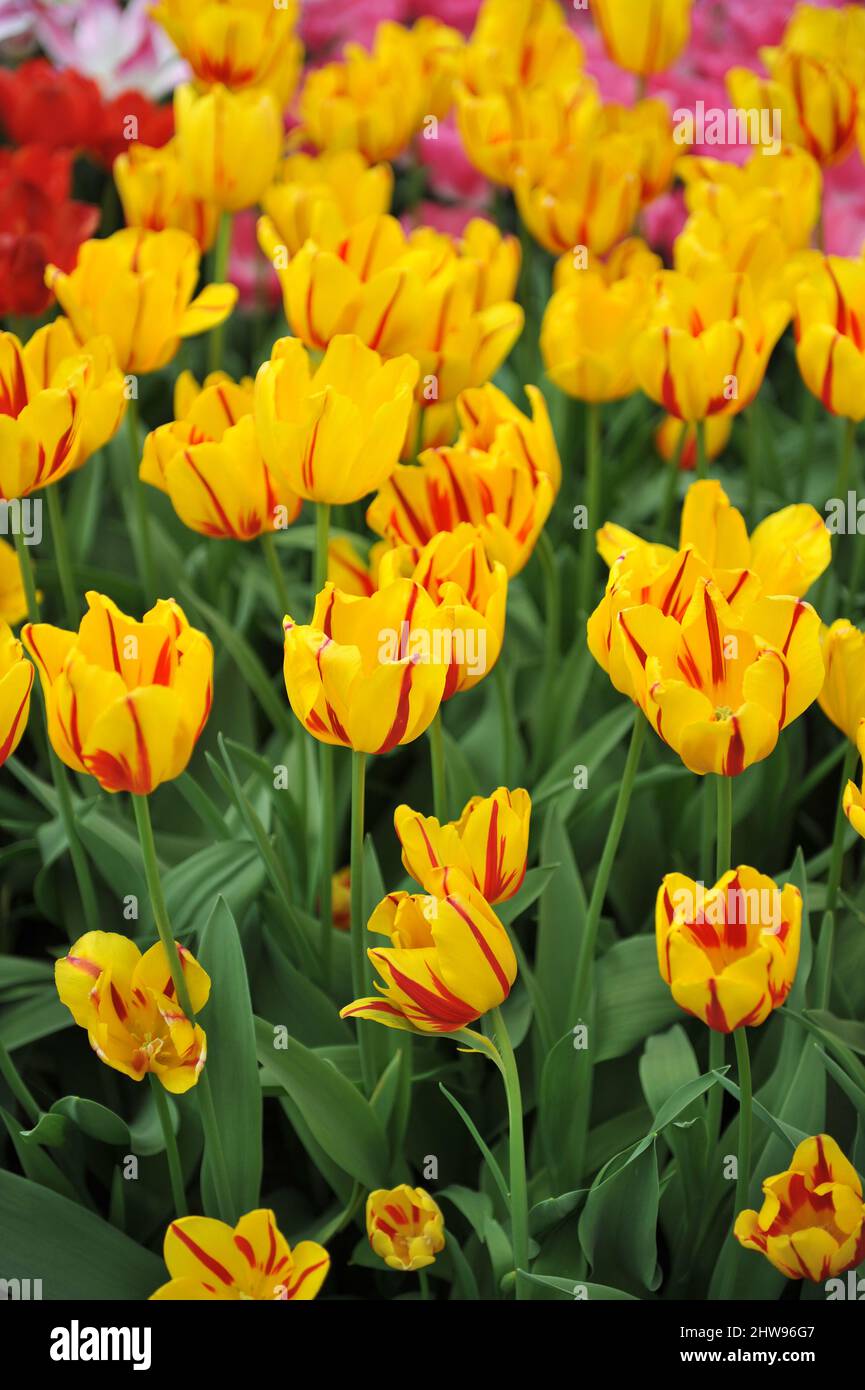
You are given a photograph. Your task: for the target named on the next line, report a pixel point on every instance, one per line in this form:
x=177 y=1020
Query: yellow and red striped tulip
x=834 y=35
x=470 y=592
x=489 y=843
x=349 y=571
x=333 y=432
x=707 y=345
x=490 y=423
x=405 y=1227
x=127 y=1003
x=586 y=196
x=498 y=494
x=842 y=698
x=777 y=197
x=450 y=959
x=812 y=1221
x=340 y=898
x=137 y=287
x=13 y=599
x=228 y=143
x=853 y=799
x=16 y=683
x=629 y=259
x=522 y=43
x=60 y=400
x=154 y=194
x=440 y=50
x=431 y=426
x=588 y=334
x=365 y=673
x=318 y=197
x=720 y=685
x=649 y=127
x=209 y=1260
x=643 y=36
x=241 y=45
x=817 y=101
x=495 y=258
x=126 y=701
x=669 y=432
x=209 y=463
x=830 y=334
x=729 y=953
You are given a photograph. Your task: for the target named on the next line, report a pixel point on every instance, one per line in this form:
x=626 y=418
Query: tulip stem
x=439 y=768
x=833 y=884
x=62 y=557
x=507 y=720
x=702 y=460
x=80 y=864
x=358 y=925
x=213 y=1143
x=670 y=486
x=277 y=577
x=325 y=766
x=175 y=1172
x=553 y=606
x=18 y=1086
x=516 y=1147
x=221 y=253
x=743 y=1169
x=144 y=547
x=724 y=839
x=593 y=504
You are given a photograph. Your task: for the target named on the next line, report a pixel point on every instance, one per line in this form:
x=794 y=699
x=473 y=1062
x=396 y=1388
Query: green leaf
x=633 y=1001
x=560 y=923
x=619 y=1222
x=573 y=1289
x=73 y=1251
x=94 y=1120
x=231 y=1063
x=338 y=1117
x=486 y=1152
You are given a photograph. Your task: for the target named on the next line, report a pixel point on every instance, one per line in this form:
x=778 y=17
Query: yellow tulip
x=780 y=194
x=13 y=600
x=649 y=127
x=126 y=701
x=729 y=953
x=629 y=259
x=643 y=36
x=830 y=334
x=853 y=799
x=318 y=197
x=450 y=959
x=842 y=698
x=707 y=345
x=241 y=44
x=833 y=35
x=16 y=682
x=154 y=195
x=228 y=144
x=209 y=1260
x=209 y=463
x=126 y=1001
x=470 y=593
x=333 y=433
x=586 y=196
x=490 y=423
x=588 y=334
x=347 y=569
x=367 y=673
x=812 y=1222
x=489 y=843
x=817 y=102
x=137 y=288
x=668 y=435
x=405 y=1227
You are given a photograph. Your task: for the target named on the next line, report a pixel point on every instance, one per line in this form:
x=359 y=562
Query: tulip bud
x=228 y=144
x=405 y=1227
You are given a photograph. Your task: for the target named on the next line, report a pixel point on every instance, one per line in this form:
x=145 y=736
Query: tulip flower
x=670 y=445
x=830 y=344
x=833 y=35
x=16 y=682
x=842 y=698
x=210 y=1260
x=13 y=600
x=450 y=959
x=779 y=194
x=334 y=433
x=470 y=593
x=126 y=701
x=405 y=1226
x=707 y=345
x=588 y=334
x=128 y=1004
x=137 y=286
x=649 y=127
x=585 y=196
x=347 y=569
x=719 y=686
x=367 y=673
x=629 y=259
x=252 y=44
x=853 y=797
x=812 y=1222
x=490 y=423
x=154 y=194
x=817 y=101
x=228 y=144
x=643 y=36
x=209 y=463
x=318 y=197
x=489 y=843
x=729 y=953
x=498 y=495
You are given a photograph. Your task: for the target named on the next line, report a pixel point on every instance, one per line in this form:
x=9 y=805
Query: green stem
x=671 y=487
x=516 y=1146
x=743 y=1174
x=322 y=539
x=833 y=883
x=221 y=252
x=80 y=863
x=717 y=1048
x=438 y=767
x=144 y=546
x=845 y=459
x=581 y=988
x=553 y=614
x=326 y=769
x=753 y=423
x=62 y=557
x=723 y=862
x=141 y=807
x=18 y=1086
x=593 y=505
x=277 y=578
x=175 y=1172
x=702 y=460
x=507 y=720
x=358 y=925
x=724 y=838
